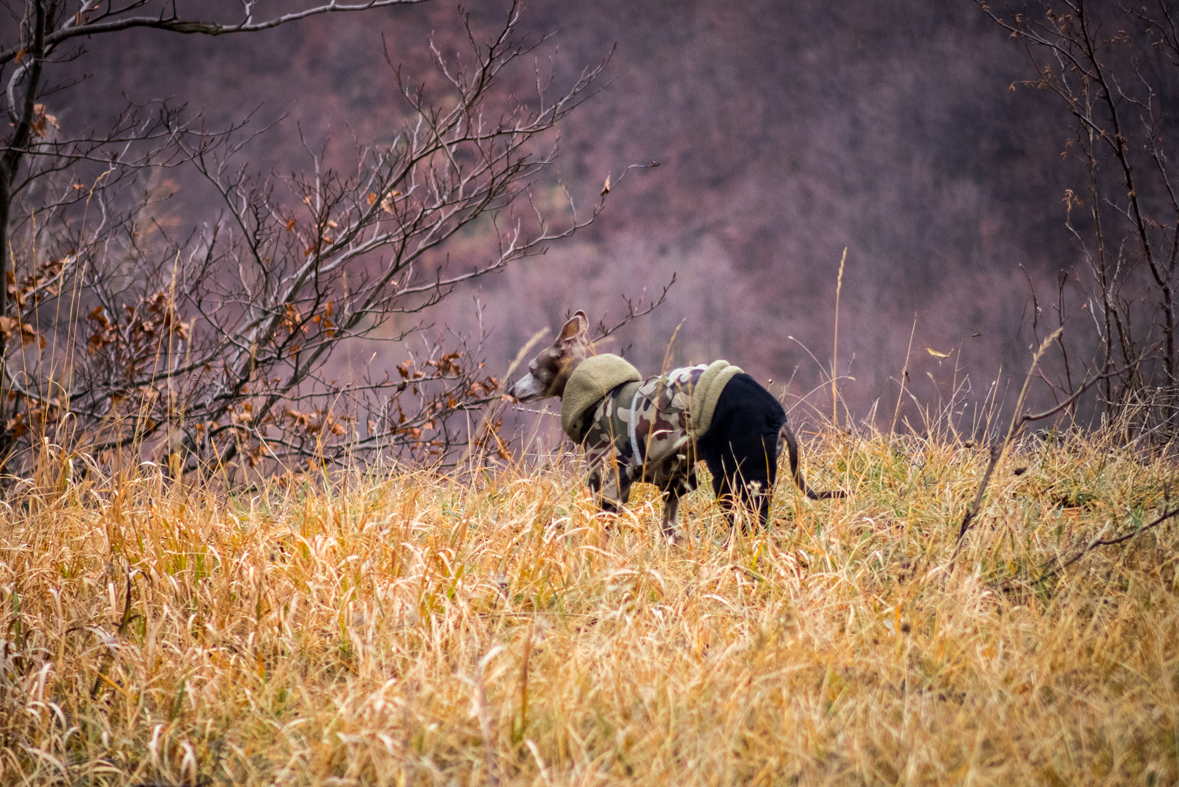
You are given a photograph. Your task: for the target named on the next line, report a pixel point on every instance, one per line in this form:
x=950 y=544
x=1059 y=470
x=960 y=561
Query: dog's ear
x=576 y=330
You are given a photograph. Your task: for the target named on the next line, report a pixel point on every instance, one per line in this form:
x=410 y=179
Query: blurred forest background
x=785 y=132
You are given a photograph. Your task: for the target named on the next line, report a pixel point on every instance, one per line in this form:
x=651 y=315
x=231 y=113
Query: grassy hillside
x=410 y=629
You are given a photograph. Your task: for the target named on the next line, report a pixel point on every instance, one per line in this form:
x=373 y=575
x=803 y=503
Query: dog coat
x=640 y=431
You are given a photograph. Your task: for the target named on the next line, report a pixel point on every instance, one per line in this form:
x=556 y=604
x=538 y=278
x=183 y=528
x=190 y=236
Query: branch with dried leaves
x=225 y=344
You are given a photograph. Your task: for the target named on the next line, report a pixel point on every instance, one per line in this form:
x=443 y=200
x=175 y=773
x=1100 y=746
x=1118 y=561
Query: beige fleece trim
x=590 y=382
x=706 y=393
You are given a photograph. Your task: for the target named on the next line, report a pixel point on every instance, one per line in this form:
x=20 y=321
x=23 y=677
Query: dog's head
x=549 y=371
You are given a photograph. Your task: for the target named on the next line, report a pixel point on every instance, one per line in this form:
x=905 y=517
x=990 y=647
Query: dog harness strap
x=634 y=440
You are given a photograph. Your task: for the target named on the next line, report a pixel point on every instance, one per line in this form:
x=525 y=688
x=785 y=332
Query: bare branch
x=114 y=20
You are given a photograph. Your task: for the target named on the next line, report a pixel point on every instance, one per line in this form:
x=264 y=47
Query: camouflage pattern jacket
x=646 y=431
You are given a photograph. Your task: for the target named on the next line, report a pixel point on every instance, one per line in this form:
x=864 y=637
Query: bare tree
x=216 y=345
x=1114 y=68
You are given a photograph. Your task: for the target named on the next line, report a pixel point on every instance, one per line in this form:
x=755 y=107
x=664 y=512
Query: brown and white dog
x=656 y=430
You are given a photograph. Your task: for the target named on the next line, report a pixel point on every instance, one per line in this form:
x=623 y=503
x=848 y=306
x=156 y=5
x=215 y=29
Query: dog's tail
x=786 y=436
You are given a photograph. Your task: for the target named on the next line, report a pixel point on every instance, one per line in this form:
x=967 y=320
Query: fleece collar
x=706 y=393
x=590 y=382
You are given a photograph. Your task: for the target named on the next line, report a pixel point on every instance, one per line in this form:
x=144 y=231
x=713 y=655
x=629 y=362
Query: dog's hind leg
x=724 y=495
x=743 y=477
x=760 y=488
x=756 y=497
x=755 y=488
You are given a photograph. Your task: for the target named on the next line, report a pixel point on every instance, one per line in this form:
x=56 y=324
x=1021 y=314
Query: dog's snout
x=526 y=389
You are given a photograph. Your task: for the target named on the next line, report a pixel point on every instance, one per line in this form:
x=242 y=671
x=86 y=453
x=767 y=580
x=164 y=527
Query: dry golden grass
x=409 y=629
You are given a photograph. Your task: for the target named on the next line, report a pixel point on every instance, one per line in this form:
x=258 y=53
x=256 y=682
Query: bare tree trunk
x=9 y=163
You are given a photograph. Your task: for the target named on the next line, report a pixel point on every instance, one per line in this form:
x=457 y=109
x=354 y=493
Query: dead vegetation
x=399 y=628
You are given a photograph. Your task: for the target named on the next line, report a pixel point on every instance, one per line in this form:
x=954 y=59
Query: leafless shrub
x=216 y=347
x=1113 y=69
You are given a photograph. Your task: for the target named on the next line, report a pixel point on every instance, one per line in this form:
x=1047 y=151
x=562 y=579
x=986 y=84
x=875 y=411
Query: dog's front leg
x=610 y=486
x=671 y=519
x=607 y=506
